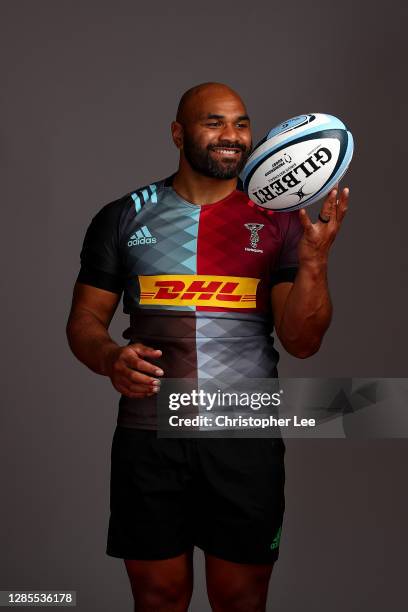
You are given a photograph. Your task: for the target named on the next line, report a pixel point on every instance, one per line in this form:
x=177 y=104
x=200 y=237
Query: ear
x=177 y=134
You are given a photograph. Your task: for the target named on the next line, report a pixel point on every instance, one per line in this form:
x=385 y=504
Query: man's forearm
x=90 y=342
x=307 y=311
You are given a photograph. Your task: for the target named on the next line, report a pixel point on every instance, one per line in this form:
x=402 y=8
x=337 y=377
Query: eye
x=242 y=125
x=213 y=124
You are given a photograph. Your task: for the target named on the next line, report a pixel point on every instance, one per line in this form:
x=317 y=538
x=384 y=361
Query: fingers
x=145 y=351
x=144 y=366
x=328 y=212
x=134 y=376
x=305 y=220
x=342 y=205
x=123 y=385
x=132 y=356
x=333 y=210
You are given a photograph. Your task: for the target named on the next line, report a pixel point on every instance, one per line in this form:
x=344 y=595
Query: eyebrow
x=215 y=116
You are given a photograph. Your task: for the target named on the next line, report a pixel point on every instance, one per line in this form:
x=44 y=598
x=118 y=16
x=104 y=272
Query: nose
x=230 y=132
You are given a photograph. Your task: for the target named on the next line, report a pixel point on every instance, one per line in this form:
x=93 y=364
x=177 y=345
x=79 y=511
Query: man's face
x=217 y=136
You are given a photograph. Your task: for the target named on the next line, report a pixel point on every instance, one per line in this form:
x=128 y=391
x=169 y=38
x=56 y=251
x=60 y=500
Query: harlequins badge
x=254 y=228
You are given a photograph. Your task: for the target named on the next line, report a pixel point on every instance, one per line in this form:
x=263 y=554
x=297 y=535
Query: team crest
x=254 y=228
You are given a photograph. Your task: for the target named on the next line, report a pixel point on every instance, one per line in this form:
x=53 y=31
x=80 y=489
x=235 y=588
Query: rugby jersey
x=196 y=282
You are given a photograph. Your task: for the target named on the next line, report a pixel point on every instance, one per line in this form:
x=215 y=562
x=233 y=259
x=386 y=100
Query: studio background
x=88 y=93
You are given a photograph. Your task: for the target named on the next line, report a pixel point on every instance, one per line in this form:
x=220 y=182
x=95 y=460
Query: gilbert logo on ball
x=298 y=162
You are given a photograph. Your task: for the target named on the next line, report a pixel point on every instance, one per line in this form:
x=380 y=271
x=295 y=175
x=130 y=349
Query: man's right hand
x=128 y=366
x=131 y=373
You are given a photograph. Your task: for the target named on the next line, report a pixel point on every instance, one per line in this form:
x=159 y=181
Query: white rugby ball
x=298 y=162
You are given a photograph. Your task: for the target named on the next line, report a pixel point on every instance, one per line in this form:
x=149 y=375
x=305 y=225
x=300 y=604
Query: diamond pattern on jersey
x=226 y=325
x=229 y=349
x=208 y=344
x=176 y=245
x=155 y=325
x=174 y=252
x=179 y=359
x=224 y=244
x=214 y=240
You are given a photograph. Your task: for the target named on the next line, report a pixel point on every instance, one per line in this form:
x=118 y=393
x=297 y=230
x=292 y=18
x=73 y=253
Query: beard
x=201 y=161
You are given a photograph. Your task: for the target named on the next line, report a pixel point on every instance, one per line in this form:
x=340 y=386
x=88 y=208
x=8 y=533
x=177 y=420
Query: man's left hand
x=318 y=237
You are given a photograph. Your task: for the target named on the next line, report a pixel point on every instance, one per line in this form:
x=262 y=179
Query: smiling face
x=213 y=132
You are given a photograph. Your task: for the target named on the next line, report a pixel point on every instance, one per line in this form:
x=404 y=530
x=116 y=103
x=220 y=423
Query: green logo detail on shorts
x=276 y=539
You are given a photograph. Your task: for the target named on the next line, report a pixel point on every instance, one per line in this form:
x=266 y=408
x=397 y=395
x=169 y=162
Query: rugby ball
x=298 y=162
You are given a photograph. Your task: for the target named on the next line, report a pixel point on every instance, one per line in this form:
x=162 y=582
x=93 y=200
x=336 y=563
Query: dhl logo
x=198 y=290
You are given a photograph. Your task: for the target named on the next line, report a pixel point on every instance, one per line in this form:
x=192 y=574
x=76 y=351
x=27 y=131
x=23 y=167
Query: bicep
x=100 y=281
x=92 y=300
x=279 y=295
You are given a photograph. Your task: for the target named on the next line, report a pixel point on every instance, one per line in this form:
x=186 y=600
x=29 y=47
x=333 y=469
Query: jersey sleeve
x=288 y=263
x=101 y=264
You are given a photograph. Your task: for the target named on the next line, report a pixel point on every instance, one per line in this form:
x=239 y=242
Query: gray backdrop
x=88 y=92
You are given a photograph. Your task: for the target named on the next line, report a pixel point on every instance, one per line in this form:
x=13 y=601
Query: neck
x=199 y=189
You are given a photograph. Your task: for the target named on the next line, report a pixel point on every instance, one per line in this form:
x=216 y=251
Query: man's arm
x=302 y=310
x=87 y=331
x=87 y=328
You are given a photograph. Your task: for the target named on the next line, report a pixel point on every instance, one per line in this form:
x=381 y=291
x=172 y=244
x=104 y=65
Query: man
x=160 y=244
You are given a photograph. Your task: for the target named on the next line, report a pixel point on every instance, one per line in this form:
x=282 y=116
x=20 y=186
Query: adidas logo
x=141 y=236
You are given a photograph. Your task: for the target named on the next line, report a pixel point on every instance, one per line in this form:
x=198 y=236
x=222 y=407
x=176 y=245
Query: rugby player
x=206 y=277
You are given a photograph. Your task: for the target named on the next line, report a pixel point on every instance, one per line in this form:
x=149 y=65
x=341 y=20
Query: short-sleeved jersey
x=196 y=282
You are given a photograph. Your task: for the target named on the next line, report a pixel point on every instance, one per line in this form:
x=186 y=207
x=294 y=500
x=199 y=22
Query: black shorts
x=225 y=496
